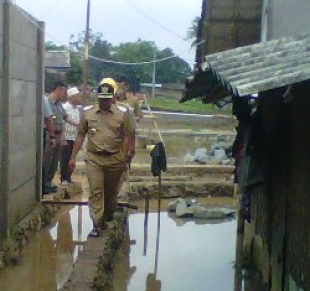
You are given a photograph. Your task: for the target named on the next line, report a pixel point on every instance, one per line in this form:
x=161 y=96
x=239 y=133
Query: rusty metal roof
x=263 y=66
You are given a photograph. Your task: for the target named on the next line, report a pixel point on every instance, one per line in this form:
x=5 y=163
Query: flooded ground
x=169 y=254
x=48 y=259
x=161 y=253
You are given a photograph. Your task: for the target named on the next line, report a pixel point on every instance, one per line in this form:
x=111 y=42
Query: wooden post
x=154 y=77
x=158 y=228
x=85 y=59
x=146 y=223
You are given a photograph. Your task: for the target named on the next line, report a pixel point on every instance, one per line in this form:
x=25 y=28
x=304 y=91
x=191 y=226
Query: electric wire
x=96 y=58
x=133 y=64
x=93 y=57
x=51 y=8
x=146 y=102
x=154 y=20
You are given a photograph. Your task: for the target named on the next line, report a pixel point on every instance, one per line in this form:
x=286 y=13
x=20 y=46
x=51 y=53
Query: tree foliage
x=192 y=31
x=172 y=70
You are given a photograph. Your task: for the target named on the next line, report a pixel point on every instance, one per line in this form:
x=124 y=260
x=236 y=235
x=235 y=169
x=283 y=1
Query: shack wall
x=278 y=235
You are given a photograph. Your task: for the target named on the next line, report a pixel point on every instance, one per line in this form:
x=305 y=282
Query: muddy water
x=49 y=258
x=160 y=253
x=168 y=254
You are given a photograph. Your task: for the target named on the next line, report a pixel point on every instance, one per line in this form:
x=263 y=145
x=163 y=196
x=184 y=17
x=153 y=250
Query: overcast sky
x=163 y=21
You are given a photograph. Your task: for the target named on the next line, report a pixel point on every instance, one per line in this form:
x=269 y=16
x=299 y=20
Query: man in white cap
x=107 y=128
x=69 y=134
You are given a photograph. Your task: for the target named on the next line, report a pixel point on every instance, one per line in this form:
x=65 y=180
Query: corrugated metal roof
x=57 y=59
x=262 y=66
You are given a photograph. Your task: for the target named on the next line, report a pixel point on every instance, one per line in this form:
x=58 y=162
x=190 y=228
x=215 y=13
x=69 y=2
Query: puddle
x=49 y=257
x=161 y=253
x=176 y=255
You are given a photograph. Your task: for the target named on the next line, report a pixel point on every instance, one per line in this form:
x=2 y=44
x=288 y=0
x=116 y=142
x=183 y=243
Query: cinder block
x=22 y=97
x=23 y=62
x=23 y=29
x=21 y=201
x=22 y=167
x=22 y=134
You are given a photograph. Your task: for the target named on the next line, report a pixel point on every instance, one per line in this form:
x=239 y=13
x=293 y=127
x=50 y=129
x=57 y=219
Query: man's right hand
x=52 y=142
x=72 y=164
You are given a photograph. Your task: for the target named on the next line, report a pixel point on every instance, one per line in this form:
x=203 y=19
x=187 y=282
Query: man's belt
x=103 y=153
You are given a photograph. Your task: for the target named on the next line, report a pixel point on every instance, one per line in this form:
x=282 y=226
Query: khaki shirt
x=133 y=102
x=132 y=120
x=105 y=129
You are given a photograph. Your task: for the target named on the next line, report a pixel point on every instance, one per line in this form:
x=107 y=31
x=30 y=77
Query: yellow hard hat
x=107 y=88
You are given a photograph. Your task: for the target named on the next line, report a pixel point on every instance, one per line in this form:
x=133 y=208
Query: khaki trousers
x=104 y=174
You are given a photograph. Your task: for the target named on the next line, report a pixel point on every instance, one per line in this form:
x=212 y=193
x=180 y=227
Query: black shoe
x=48 y=191
x=52 y=190
x=95 y=233
x=45 y=192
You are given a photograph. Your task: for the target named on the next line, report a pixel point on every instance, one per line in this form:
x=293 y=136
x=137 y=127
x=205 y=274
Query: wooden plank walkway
x=79 y=200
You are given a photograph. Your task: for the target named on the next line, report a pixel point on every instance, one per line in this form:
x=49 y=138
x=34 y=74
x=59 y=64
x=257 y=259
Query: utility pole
x=154 y=76
x=85 y=58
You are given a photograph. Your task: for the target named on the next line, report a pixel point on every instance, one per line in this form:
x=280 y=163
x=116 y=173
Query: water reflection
x=192 y=257
x=48 y=259
x=65 y=248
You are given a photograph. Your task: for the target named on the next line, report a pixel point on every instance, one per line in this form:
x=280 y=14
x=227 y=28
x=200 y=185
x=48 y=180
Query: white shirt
x=70 y=131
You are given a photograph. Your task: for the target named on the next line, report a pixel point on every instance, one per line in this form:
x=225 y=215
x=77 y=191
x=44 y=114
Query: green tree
x=51 y=46
x=75 y=74
x=172 y=70
x=135 y=52
x=98 y=49
x=192 y=31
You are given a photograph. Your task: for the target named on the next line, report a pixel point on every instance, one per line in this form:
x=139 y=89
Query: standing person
x=48 y=132
x=128 y=98
x=69 y=133
x=107 y=128
x=119 y=97
x=51 y=159
x=48 y=126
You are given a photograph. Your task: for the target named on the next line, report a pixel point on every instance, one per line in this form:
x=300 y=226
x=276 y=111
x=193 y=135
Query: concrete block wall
x=231 y=23
x=20 y=143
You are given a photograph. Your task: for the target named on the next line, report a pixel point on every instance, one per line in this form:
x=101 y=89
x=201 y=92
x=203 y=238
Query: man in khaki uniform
x=108 y=129
x=129 y=98
x=119 y=97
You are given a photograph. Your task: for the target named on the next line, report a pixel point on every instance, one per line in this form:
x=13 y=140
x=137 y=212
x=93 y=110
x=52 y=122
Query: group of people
x=61 y=122
x=109 y=130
